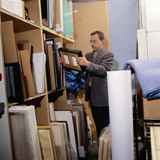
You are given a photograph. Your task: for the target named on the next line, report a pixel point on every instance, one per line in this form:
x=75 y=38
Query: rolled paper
x=121 y=116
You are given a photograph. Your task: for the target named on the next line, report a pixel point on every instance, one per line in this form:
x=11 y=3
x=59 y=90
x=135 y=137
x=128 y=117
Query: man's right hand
x=61 y=59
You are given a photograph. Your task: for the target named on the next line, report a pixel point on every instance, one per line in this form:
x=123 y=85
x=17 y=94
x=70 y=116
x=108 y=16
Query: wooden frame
x=58 y=132
x=48 y=128
x=66 y=138
x=78 y=128
x=81 y=123
x=67 y=116
x=70 y=56
x=77 y=105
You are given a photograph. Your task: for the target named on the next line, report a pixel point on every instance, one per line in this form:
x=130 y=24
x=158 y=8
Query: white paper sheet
x=39 y=60
x=66 y=59
x=74 y=61
x=153 y=39
x=152 y=14
x=121 y=116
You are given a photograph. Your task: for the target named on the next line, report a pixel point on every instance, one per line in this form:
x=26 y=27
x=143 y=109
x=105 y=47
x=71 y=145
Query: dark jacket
x=99 y=90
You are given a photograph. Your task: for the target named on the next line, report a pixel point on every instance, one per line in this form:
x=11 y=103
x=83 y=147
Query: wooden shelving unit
x=32 y=31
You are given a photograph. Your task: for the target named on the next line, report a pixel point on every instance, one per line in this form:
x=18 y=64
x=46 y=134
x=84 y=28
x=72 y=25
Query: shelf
x=28 y=35
x=28 y=99
x=20 y=24
x=50 y=33
x=53 y=91
x=54 y=95
x=66 y=40
x=53 y=34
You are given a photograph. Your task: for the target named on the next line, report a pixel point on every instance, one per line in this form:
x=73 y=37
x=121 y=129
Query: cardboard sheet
x=27 y=75
x=9 y=43
x=59 y=15
x=85 y=23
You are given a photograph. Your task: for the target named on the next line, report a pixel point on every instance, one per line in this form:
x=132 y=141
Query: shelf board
x=20 y=24
x=28 y=99
x=67 y=40
x=54 y=95
x=50 y=33
x=54 y=91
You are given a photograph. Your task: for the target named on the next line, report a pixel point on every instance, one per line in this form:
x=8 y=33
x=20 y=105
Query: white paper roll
x=121 y=116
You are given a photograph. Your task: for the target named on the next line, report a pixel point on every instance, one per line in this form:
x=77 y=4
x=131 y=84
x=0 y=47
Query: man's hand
x=61 y=59
x=82 y=61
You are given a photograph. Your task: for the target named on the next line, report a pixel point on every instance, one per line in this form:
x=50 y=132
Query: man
x=96 y=90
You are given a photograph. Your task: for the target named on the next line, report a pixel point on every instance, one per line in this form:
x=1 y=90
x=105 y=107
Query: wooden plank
x=142 y=44
x=27 y=75
x=155 y=141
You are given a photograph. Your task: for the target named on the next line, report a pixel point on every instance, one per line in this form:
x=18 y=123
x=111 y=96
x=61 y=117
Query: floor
x=93 y=152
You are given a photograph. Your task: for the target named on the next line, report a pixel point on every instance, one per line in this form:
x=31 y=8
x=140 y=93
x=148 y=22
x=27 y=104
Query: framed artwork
x=67 y=116
x=59 y=140
x=46 y=140
x=70 y=56
x=77 y=127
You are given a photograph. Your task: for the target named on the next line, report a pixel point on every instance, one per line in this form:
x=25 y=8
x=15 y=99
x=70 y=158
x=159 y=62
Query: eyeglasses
x=94 y=41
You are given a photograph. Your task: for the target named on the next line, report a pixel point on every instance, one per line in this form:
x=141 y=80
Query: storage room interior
x=79 y=79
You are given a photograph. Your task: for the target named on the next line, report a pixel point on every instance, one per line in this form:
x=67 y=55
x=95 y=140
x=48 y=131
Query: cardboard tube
x=121 y=116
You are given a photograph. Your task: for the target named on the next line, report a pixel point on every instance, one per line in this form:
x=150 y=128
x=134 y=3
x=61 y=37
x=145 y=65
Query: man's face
x=96 y=43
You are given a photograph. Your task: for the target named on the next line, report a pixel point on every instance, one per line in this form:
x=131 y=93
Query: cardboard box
x=150 y=108
x=10 y=50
